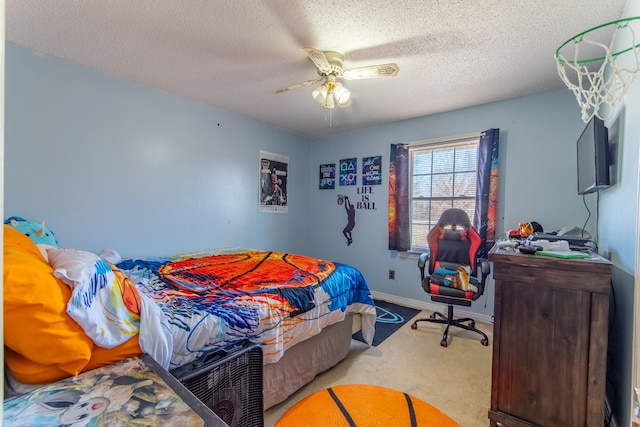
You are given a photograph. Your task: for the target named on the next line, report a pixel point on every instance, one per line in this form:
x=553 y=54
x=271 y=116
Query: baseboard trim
x=426 y=305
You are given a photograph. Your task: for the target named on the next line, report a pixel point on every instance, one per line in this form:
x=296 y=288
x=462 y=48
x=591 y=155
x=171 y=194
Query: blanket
x=215 y=299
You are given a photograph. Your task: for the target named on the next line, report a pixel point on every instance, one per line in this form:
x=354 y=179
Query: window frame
x=448 y=142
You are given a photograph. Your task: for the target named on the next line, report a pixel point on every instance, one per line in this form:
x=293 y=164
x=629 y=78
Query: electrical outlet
x=392 y=274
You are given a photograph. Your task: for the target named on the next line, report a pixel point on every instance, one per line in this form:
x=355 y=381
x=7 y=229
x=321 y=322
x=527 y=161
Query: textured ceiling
x=232 y=54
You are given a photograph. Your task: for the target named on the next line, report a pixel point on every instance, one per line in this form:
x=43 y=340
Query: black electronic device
x=593 y=157
x=229 y=382
x=527 y=249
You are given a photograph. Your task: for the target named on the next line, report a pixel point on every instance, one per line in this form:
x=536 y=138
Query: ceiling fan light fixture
x=331 y=93
x=342 y=95
x=329 y=102
x=320 y=93
x=323 y=95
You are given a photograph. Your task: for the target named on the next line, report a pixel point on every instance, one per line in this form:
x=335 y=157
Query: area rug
x=363 y=405
x=390 y=317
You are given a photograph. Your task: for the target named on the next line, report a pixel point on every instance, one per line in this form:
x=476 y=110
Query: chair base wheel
x=464 y=323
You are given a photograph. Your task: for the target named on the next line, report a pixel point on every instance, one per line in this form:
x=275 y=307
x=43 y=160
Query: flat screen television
x=593 y=157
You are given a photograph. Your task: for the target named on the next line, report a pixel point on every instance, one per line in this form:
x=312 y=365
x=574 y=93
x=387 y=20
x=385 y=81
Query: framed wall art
x=349 y=171
x=274 y=173
x=327 y=176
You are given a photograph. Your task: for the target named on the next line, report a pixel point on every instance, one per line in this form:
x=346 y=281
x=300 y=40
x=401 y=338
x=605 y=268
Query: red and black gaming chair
x=452 y=276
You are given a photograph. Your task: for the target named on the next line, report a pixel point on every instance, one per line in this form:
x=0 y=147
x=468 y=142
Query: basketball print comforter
x=218 y=298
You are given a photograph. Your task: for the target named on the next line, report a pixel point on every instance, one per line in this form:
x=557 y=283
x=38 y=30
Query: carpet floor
x=455 y=379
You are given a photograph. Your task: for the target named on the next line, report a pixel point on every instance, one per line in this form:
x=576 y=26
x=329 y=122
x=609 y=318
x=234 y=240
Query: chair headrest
x=456 y=217
x=454 y=235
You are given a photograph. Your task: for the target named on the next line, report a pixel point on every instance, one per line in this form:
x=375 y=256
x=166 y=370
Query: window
x=443 y=175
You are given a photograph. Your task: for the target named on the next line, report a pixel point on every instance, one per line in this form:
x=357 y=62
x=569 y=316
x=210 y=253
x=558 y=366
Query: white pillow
x=96 y=302
x=43 y=250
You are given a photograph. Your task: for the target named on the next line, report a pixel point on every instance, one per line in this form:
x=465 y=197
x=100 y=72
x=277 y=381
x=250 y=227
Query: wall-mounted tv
x=593 y=157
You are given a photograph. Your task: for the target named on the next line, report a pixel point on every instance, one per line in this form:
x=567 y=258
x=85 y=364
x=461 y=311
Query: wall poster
x=274 y=171
x=348 y=172
x=328 y=176
x=371 y=170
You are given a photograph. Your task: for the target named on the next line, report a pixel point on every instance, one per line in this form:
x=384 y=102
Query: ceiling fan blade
x=384 y=70
x=319 y=59
x=297 y=85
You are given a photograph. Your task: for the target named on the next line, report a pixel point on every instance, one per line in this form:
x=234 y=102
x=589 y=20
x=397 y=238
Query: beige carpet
x=455 y=379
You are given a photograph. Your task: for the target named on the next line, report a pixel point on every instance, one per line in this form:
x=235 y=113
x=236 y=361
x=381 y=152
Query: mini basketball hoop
x=599 y=74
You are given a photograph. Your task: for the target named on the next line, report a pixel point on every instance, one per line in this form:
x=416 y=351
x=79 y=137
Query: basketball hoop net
x=596 y=73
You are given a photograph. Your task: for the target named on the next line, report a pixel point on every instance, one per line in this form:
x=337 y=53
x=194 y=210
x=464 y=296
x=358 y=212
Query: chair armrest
x=422 y=263
x=485 y=267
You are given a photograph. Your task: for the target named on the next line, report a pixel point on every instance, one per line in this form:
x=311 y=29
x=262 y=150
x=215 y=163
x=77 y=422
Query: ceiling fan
x=329 y=65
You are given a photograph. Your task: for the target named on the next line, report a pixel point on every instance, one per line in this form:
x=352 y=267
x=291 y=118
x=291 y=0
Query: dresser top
x=594 y=263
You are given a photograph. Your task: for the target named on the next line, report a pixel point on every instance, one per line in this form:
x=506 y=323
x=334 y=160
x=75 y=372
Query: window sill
x=411 y=254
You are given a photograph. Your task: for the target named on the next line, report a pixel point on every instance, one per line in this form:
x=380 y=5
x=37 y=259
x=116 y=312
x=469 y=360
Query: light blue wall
x=108 y=163
x=619 y=203
x=619 y=222
x=537 y=181
x=619 y=242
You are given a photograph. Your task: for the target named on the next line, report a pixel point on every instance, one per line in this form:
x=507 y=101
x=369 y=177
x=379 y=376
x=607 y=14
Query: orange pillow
x=14 y=238
x=106 y=356
x=36 y=325
x=29 y=372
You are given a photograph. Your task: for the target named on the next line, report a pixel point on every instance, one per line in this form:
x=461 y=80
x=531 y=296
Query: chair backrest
x=453 y=242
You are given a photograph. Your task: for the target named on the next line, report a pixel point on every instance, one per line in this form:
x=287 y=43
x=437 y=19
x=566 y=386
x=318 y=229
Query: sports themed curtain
x=399 y=239
x=485 y=215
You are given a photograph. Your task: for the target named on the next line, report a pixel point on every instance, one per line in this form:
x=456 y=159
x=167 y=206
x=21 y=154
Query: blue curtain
x=485 y=215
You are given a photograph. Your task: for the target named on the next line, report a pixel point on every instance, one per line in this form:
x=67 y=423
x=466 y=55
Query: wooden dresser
x=549 y=340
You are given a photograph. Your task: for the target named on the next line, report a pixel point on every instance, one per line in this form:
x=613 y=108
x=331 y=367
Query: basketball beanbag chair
x=362 y=406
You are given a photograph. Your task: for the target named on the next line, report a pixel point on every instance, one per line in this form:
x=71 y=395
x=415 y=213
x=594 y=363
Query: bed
x=182 y=307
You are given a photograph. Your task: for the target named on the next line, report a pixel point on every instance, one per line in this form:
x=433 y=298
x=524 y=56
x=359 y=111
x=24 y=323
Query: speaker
x=229 y=382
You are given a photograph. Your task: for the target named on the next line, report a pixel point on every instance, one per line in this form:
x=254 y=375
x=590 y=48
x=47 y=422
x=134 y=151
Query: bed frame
x=301 y=363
